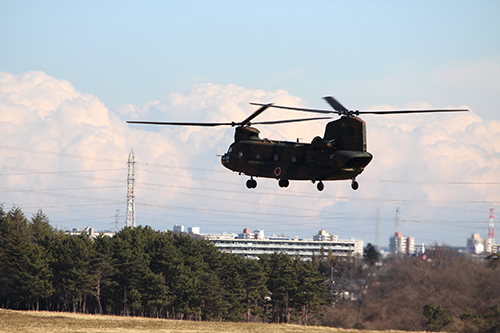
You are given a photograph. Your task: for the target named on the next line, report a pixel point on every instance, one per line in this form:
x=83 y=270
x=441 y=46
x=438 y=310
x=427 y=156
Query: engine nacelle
x=322 y=144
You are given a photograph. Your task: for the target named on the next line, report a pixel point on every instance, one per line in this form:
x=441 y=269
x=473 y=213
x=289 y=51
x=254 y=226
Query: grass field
x=49 y=322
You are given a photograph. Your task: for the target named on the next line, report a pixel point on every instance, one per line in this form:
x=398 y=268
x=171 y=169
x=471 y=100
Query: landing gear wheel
x=320 y=186
x=283 y=183
x=251 y=183
x=354 y=185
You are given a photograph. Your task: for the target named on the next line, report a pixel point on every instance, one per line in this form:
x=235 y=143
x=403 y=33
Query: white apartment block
x=252 y=245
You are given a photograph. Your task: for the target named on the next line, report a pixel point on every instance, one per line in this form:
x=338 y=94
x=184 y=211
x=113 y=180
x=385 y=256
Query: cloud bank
x=64 y=151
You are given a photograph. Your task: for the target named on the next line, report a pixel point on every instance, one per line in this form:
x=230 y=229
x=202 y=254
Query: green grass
x=48 y=322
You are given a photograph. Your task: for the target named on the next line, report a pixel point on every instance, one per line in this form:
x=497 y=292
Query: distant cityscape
x=253 y=244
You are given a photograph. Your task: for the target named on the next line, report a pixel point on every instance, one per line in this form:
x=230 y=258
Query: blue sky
x=72 y=72
x=137 y=51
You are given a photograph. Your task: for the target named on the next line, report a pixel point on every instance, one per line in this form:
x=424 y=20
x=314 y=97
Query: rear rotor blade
x=344 y=112
x=409 y=111
x=335 y=104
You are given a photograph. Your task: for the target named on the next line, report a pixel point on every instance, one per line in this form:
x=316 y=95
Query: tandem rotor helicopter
x=339 y=155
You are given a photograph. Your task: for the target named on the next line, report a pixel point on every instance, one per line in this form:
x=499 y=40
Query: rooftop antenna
x=130 y=219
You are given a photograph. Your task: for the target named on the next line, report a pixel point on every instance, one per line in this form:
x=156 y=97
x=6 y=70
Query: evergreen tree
x=186 y=278
x=13 y=247
x=282 y=285
x=216 y=302
x=131 y=264
x=155 y=293
x=255 y=288
x=370 y=254
x=101 y=265
x=32 y=278
x=73 y=277
x=437 y=317
x=39 y=228
x=233 y=284
x=311 y=292
x=165 y=259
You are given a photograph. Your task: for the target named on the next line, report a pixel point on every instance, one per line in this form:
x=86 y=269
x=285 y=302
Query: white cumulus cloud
x=64 y=151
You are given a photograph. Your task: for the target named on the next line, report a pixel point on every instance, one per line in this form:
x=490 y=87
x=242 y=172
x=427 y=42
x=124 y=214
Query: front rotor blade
x=335 y=104
x=272 y=122
x=297 y=109
x=409 y=111
x=181 y=123
x=255 y=114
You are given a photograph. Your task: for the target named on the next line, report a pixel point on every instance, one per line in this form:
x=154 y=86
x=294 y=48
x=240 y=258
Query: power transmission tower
x=117 y=220
x=490 y=241
x=130 y=219
x=491 y=227
x=397 y=219
x=377 y=228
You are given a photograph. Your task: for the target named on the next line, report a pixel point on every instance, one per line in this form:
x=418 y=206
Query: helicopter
x=341 y=154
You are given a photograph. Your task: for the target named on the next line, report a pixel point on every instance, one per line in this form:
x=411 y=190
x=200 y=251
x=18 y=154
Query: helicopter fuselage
x=341 y=154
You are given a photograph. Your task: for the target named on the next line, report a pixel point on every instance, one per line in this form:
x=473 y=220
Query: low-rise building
x=90 y=232
x=252 y=245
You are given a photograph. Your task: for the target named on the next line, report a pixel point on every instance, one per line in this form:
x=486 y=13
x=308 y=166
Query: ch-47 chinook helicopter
x=339 y=155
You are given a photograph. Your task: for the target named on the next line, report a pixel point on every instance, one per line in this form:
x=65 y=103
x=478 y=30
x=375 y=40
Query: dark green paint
x=340 y=154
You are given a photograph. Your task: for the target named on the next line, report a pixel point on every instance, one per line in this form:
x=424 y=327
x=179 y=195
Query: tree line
x=143 y=272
